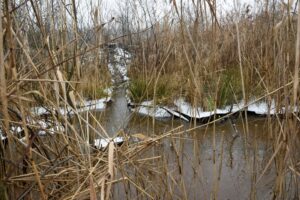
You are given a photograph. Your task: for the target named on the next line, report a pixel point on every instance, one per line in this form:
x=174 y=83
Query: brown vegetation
x=47 y=59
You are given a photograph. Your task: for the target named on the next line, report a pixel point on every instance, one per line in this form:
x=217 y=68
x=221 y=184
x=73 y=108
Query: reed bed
x=63 y=172
x=216 y=58
x=50 y=59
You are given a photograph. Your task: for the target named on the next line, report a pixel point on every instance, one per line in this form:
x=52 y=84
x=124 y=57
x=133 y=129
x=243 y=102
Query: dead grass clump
x=94 y=82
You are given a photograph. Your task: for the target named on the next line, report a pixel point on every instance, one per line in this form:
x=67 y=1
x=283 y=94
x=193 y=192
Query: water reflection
x=191 y=166
x=117 y=115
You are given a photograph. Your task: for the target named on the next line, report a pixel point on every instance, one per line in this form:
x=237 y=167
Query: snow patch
x=175 y=113
x=108 y=91
x=103 y=143
x=39 y=111
x=43 y=127
x=122 y=54
x=118 y=64
x=192 y=112
x=259 y=108
x=147 y=108
x=262 y=108
x=99 y=104
x=2 y=137
x=16 y=129
x=88 y=105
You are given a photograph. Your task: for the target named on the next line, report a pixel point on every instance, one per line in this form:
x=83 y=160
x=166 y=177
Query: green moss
x=95 y=93
x=230 y=88
x=138 y=89
x=222 y=89
x=142 y=89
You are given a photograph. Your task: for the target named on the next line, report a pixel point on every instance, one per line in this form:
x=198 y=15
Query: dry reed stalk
x=111 y=148
x=253 y=194
x=241 y=72
x=4 y=101
x=4 y=110
x=214 y=156
x=90 y=171
x=37 y=178
x=297 y=63
x=156 y=82
x=76 y=38
x=221 y=160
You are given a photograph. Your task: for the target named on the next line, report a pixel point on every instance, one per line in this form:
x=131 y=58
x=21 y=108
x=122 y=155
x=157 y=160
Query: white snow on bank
x=259 y=108
x=111 y=69
x=235 y=107
x=121 y=53
x=108 y=92
x=147 y=108
x=103 y=143
x=121 y=59
x=262 y=108
x=41 y=126
x=122 y=69
x=39 y=111
x=2 y=137
x=88 y=105
x=99 y=104
x=175 y=113
x=48 y=127
x=290 y=109
x=190 y=111
x=16 y=129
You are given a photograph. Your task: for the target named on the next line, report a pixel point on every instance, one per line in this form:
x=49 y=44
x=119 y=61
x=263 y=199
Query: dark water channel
x=211 y=162
x=208 y=162
x=117 y=115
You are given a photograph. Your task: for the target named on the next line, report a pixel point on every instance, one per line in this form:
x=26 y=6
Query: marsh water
x=213 y=161
x=216 y=161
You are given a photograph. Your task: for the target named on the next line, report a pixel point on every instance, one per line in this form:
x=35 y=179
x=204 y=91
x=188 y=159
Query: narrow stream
x=117 y=113
x=210 y=162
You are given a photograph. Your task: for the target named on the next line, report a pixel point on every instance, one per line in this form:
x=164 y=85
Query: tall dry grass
x=47 y=59
x=245 y=54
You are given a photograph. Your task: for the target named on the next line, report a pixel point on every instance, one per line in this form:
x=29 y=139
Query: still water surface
x=218 y=161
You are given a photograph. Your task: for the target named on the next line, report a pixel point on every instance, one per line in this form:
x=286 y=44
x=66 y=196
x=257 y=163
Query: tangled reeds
x=49 y=59
x=61 y=171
